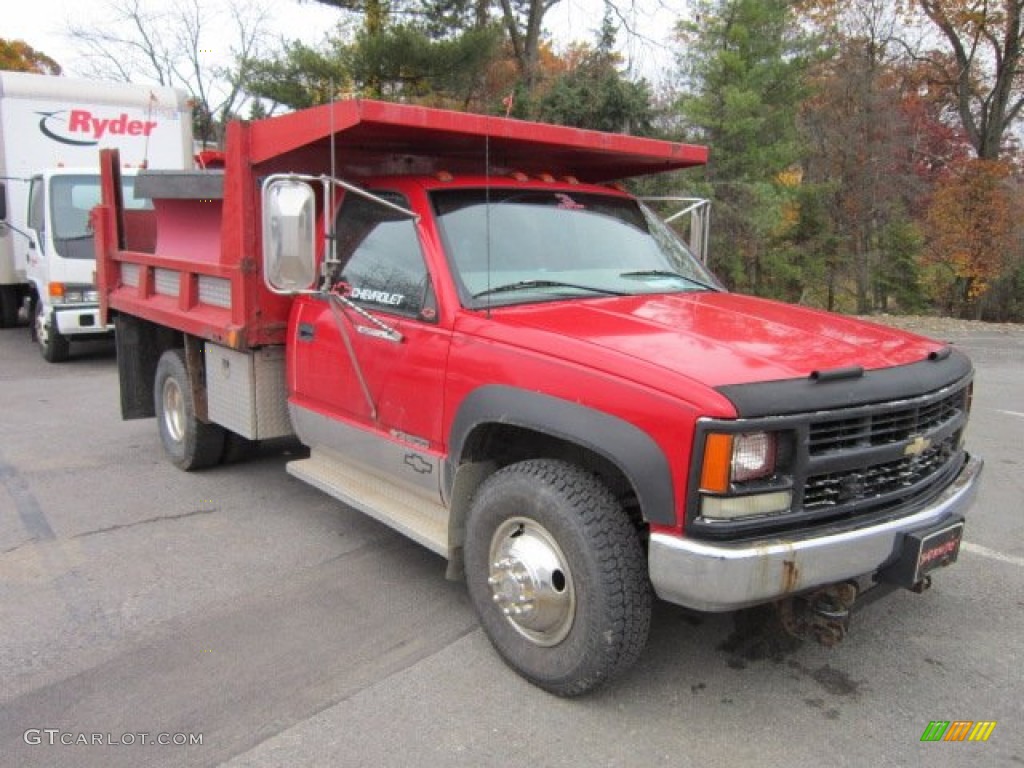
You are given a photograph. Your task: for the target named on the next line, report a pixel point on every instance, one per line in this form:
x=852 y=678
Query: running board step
x=418 y=518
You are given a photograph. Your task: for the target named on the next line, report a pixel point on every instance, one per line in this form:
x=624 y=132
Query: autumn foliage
x=866 y=155
x=970 y=226
x=19 y=56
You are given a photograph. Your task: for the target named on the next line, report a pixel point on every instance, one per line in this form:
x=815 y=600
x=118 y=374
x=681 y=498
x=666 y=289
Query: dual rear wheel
x=189 y=442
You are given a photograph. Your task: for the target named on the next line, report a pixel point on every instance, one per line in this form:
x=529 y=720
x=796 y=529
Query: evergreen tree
x=742 y=66
x=402 y=52
x=594 y=94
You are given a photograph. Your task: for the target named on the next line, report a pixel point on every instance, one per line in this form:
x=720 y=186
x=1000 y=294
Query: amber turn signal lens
x=714 y=474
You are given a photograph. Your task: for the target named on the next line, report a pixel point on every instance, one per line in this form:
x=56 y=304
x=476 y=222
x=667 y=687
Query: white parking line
x=1011 y=413
x=991 y=554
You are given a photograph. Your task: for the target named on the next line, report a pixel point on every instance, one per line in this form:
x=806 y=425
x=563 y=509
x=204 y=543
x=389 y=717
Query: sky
x=42 y=23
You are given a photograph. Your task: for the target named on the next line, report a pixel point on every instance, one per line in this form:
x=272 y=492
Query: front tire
x=557 y=575
x=189 y=442
x=54 y=347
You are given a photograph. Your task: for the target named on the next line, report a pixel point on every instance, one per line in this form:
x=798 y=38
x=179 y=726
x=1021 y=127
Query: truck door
x=382 y=397
x=36 y=223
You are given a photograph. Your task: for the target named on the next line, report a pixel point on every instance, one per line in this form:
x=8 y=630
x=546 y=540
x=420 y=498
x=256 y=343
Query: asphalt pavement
x=246 y=619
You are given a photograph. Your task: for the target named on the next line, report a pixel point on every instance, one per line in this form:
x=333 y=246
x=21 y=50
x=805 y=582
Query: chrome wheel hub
x=174 y=410
x=42 y=329
x=530 y=581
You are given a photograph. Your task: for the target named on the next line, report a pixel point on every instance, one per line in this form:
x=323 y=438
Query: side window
x=380 y=258
x=37 y=212
x=36 y=206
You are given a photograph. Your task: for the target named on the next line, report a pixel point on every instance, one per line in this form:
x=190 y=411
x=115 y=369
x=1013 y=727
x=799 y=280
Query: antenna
x=331 y=257
x=149 y=118
x=334 y=146
x=487 y=214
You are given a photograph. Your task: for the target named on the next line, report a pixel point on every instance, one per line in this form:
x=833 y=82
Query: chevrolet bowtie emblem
x=917 y=446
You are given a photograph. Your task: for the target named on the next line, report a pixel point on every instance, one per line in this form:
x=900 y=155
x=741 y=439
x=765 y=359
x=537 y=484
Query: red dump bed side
x=202 y=273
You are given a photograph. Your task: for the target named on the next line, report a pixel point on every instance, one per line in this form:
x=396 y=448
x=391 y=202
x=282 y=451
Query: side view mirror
x=289 y=235
x=3 y=202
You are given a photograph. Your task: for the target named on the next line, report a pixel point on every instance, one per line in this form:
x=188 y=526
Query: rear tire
x=190 y=443
x=53 y=347
x=557 y=575
x=8 y=306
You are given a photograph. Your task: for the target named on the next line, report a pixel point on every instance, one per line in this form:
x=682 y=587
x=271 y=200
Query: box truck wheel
x=8 y=306
x=54 y=347
x=190 y=443
x=557 y=575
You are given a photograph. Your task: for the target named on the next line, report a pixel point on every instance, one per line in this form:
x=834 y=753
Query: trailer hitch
x=823 y=614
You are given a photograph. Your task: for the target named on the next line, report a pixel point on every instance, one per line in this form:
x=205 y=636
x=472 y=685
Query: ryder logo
x=81 y=128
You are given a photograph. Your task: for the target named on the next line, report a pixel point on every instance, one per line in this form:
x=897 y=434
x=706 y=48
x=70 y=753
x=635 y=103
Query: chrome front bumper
x=723 y=577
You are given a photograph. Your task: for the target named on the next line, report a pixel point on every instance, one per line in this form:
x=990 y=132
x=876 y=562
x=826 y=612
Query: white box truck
x=51 y=131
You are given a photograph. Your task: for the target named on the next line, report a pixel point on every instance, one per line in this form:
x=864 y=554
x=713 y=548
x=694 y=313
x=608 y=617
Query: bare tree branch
x=184 y=46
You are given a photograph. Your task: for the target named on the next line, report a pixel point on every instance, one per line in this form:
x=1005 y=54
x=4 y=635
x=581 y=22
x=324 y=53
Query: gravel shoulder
x=942 y=327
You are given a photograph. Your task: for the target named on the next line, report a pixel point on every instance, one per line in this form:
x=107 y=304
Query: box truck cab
x=61 y=262
x=51 y=131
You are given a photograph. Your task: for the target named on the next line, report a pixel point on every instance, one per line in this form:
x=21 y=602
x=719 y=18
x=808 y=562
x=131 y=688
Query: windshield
x=541 y=245
x=71 y=200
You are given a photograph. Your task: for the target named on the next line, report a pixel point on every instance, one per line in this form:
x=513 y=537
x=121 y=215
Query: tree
x=523 y=20
x=184 y=46
x=742 y=67
x=971 y=231
x=982 y=71
x=404 y=62
x=593 y=93
x=861 y=144
x=301 y=76
x=411 y=60
x=979 y=71
x=19 y=56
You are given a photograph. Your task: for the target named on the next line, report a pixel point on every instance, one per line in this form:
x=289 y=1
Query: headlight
x=69 y=293
x=742 y=475
x=737 y=458
x=753 y=456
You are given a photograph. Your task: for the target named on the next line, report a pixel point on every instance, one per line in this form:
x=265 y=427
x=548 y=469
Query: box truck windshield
x=71 y=200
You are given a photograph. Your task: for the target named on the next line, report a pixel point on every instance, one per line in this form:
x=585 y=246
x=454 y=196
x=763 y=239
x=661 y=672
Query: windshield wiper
x=641 y=273
x=522 y=285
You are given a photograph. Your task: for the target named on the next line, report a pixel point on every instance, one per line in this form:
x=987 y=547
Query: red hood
x=713 y=338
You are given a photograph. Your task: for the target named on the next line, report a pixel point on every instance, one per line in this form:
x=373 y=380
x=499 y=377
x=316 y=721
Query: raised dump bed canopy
x=201 y=273
x=378 y=138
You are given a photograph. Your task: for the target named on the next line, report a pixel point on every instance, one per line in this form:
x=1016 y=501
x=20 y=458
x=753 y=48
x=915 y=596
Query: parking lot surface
x=241 y=609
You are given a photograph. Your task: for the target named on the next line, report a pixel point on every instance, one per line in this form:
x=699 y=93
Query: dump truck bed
x=201 y=273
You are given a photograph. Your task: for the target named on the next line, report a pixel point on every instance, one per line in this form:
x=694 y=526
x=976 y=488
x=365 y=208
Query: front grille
x=888 y=452
x=882 y=425
x=854 y=463
x=891 y=480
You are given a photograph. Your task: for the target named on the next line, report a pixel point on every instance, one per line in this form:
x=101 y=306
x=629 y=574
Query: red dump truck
x=489 y=345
